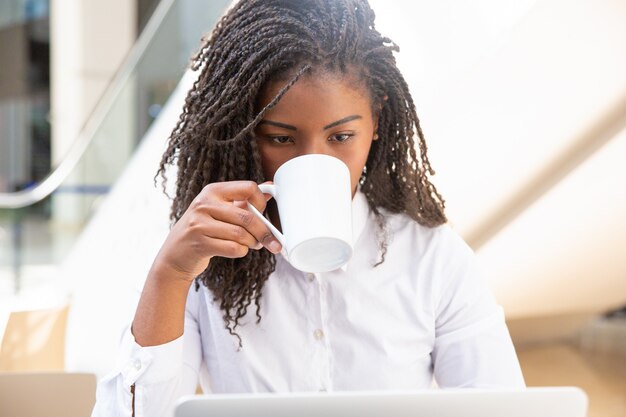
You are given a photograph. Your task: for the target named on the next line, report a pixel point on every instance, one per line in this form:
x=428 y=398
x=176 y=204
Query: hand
x=217 y=223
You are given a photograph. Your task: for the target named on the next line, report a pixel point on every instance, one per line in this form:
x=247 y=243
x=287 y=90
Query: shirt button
x=310 y=277
x=318 y=334
x=137 y=364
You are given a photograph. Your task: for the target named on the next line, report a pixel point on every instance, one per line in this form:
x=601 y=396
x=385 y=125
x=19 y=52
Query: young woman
x=221 y=306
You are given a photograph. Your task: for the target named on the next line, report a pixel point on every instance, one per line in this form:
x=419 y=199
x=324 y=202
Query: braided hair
x=261 y=41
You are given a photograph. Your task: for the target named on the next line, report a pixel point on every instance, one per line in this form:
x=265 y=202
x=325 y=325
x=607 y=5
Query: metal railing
x=53 y=181
x=40 y=224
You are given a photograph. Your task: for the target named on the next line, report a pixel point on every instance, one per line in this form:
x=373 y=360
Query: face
x=318 y=115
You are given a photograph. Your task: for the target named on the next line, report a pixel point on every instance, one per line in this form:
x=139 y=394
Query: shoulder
x=438 y=256
x=439 y=241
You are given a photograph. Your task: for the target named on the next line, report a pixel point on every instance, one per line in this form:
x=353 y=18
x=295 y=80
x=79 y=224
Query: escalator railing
x=39 y=225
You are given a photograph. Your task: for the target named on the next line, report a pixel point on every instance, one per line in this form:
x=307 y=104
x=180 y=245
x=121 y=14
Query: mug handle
x=271 y=190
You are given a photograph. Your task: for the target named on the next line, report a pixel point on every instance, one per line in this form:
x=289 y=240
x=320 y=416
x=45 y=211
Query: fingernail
x=274 y=246
x=258 y=246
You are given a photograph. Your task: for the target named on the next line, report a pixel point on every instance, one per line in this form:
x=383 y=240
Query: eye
x=281 y=140
x=342 y=137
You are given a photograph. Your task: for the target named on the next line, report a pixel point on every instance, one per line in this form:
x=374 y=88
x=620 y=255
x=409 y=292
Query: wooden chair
x=34 y=341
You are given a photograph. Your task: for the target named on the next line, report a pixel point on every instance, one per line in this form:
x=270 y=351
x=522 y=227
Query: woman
x=222 y=306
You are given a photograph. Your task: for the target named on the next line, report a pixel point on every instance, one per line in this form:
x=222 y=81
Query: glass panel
x=34 y=240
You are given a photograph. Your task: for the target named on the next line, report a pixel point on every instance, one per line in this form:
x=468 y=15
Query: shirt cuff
x=147 y=365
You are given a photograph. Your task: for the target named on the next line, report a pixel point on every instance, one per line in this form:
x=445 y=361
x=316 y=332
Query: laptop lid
x=535 y=402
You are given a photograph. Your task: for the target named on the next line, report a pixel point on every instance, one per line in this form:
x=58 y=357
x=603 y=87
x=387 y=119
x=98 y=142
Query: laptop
x=535 y=402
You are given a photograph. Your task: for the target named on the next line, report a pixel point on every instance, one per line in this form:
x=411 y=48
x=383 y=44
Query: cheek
x=356 y=161
x=270 y=162
x=270 y=171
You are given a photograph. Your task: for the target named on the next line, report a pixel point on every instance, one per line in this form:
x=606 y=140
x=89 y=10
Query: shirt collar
x=360 y=212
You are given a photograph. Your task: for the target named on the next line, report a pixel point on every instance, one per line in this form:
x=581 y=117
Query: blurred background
x=523 y=104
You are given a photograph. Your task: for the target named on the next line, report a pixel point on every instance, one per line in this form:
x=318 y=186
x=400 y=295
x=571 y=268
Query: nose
x=316 y=146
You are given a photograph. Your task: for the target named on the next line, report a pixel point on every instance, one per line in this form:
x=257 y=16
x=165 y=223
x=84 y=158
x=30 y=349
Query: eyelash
x=349 y=137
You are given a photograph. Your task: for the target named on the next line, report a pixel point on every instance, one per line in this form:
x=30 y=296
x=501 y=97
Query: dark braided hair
x=258 y=41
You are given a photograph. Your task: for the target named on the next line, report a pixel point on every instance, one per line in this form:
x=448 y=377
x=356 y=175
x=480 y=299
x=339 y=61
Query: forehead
x=317 y=96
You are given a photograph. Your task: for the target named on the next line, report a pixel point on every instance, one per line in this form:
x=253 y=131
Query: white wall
x=507 y=91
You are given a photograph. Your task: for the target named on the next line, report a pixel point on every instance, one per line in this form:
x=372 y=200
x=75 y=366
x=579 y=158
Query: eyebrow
x=278 y=124
x=342 y=121
x=290 y=127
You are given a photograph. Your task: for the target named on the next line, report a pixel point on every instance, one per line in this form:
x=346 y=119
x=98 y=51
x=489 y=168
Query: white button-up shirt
x=425 y=313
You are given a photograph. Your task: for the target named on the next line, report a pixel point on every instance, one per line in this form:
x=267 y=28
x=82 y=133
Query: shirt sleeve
x=149 y=380
x=473 y=347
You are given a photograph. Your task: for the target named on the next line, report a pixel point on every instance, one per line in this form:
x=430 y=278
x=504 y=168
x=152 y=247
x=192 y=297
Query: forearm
x=160 y=315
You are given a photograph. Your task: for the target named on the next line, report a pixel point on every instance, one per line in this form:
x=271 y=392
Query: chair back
x=47 y=394
x=34 y=341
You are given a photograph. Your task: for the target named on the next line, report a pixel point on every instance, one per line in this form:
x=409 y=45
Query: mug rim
x=311 y=155
x=303 y=266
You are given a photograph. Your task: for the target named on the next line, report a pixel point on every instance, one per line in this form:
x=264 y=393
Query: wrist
x=166 y=272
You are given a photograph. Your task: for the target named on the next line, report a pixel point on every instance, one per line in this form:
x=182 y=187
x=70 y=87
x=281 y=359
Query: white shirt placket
x=317 y=333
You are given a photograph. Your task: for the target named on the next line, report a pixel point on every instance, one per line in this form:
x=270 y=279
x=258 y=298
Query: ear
x=377 y=116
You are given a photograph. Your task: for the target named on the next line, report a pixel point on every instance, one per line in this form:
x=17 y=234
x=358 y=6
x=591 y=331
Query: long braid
x=258 y=41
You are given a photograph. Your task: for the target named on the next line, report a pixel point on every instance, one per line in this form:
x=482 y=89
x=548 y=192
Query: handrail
x=48 y=185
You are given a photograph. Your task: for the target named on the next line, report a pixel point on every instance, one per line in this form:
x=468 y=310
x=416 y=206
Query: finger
x=236 y=190
x=226 y=248
x=267 y=182
x=226 y=231
x=245 y=218
x=244 y=204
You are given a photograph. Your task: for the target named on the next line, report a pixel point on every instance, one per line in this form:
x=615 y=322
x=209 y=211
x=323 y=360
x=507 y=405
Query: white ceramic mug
x=314 y=200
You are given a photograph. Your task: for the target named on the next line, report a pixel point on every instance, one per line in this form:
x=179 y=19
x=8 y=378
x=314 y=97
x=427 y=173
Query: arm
x=473 y=347
x=215 y=224
x=161 y=355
